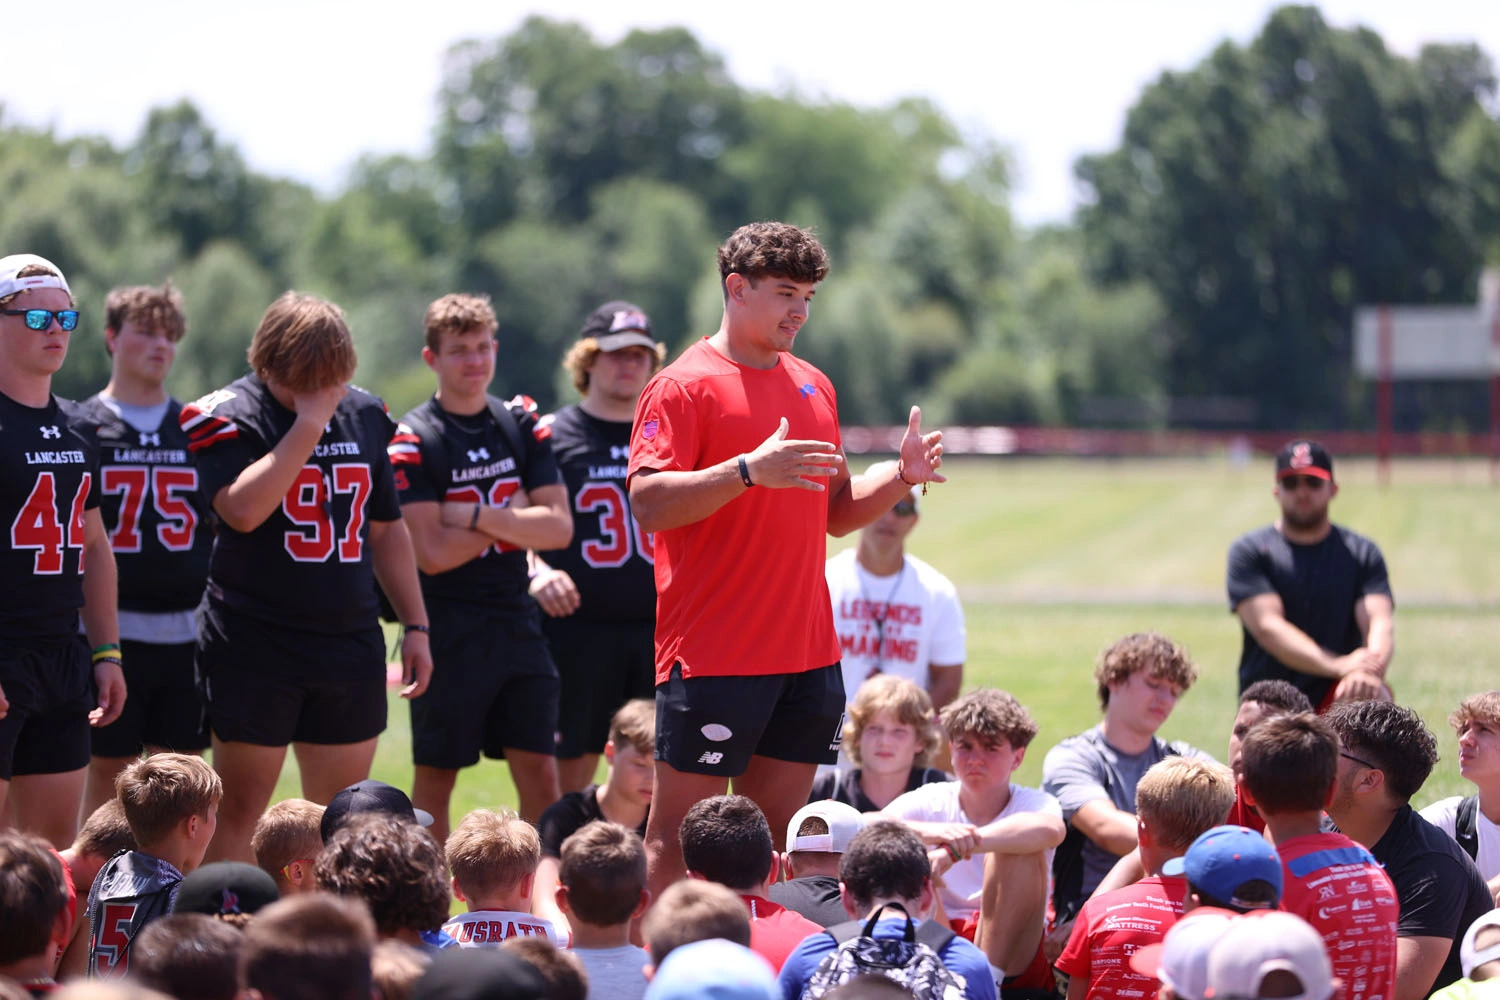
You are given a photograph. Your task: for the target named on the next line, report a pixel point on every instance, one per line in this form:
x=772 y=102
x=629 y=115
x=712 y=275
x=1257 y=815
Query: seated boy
x=993 y=840
x=287 y=841
x=189 y=956
x=890 y=736
x=397 y=869
x=312 y=945
x=693 y=910
x=1177 y=800
x=171 y=801
x=103 y=835
x=726 y=839
x=33 y=909
x=603 y=889
x=624 y=798
x=493 y=858
x=1289 y=772
x=816 y=840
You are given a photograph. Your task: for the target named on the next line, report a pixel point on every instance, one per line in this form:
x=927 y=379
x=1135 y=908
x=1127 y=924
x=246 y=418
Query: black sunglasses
x=41 y=319
x=1361 y=763
x=906 y=508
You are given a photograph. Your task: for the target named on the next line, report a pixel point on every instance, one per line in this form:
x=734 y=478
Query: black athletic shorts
x=493 y=687
x=602 y=665
x=273 y=686
x=50 y=687
x=164 y=707
x=713 y=725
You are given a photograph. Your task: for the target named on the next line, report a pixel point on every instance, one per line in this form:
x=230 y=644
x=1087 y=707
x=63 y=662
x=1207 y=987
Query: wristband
x=901 y=475
x=953 y=853
x=417 y=628
x=474 y=521
x=745 y=472
x=111 y=651
x=108 y=659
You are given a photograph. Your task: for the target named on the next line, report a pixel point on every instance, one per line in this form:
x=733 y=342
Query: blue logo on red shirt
x=649 y=429
x=808 y=390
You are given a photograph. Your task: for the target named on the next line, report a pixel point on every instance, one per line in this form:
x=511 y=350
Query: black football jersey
x=156 y=515
x=50 y=458
x=470 y=461
x=609 y=557
x=130 y=891
x=308 y=565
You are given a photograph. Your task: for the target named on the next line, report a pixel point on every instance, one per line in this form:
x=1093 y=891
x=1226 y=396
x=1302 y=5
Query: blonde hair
x=457 y=313
x=1481 y=707
x=635 y=724
x=989 y=714
x=1181 y=797
x=303 y=344
x=903 y=699
x=580 y=358
x=1148 y=651
x=162 y=790
x=291 y=830
x=492 y=852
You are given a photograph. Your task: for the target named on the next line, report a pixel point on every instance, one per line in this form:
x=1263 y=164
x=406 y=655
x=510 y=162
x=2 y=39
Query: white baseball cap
x=11 y=266
x=1264 y=942
x=844 y=821
x=1472 y=957
x=1180 y=960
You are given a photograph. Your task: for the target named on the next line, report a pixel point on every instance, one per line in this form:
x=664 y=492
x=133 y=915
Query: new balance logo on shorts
x=711 y=758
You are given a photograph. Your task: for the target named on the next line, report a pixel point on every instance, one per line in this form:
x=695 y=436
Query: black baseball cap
x=370 y=796
x=1304 y=458
x=225 y=887
x=479 y=974
x=617 y=325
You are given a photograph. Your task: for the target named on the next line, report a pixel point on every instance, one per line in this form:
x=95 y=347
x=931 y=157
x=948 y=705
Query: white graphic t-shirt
x=490 y=928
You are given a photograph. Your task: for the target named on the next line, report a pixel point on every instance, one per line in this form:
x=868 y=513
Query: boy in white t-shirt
x=992 y=840
x=1477 y=723
x=493 y=857
x=602 y=888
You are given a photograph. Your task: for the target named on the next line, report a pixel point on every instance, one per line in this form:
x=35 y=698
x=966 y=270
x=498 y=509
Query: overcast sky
x=303 y=88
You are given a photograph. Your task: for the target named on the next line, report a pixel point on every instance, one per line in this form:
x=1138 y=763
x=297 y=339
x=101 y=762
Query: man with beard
x=1312 y=597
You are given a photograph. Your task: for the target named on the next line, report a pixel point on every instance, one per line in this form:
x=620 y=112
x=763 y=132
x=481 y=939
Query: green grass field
x=1056 y=559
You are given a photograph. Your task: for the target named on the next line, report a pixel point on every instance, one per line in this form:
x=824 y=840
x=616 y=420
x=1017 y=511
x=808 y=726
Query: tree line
x=1208 y=279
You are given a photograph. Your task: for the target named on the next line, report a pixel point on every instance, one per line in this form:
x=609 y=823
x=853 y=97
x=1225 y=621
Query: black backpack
x=1465 y=826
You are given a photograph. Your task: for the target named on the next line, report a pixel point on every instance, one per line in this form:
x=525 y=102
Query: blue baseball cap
x=713 y=969
x=1223 y=859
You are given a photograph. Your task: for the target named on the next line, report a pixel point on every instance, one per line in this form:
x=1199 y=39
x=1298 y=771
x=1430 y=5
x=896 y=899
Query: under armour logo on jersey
x=229 y=901
x=48 y=433
x=808 y=390
x=150 y=439
x=619 y=452
x=479 y=455
x=711 y=757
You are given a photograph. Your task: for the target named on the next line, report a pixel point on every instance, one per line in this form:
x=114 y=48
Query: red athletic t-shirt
x=1338 y=887
x=775 y=931
x=742 y=591
x=1112 y=927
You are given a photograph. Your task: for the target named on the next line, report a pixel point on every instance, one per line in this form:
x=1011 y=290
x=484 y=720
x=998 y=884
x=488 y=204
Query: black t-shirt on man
x=1319 y=586
x=567 y=816
x=1440 y=891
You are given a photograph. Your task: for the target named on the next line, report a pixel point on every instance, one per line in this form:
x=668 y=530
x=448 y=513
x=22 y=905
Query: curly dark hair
x=764 y=248
x=1392 y=737
x=392 y=864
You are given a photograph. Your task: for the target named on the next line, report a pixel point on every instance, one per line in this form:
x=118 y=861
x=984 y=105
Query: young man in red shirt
x=735 y=465
x=1288 y=767
x=726 y=839
x=1177 y=800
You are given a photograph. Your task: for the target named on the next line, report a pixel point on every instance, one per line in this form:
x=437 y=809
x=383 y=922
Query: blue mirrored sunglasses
x=41 y=319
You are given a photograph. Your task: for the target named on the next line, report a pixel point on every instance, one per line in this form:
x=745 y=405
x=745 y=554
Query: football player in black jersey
x=50 y=692
x=479 y=487
x=157 y=520
x=290 y=648
x=599 y=593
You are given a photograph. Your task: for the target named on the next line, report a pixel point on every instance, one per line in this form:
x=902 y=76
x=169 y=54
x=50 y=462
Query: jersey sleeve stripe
x=211 y=436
